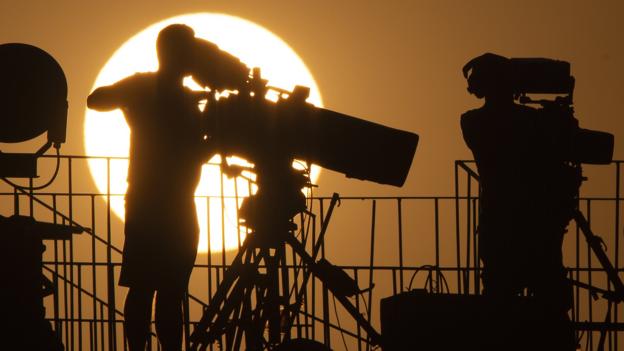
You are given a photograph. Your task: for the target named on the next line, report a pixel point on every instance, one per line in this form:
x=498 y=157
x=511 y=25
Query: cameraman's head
x=489 y=76
x=173 y=45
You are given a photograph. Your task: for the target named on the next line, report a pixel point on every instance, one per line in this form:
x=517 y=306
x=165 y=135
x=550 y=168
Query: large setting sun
x=107 y=134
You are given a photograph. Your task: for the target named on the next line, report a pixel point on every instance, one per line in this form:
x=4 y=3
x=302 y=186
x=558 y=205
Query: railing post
x=436 y=218
x=110 y=268
x=70 y=199
x=400 y=219
x=617 y=239
x=325 y=292
x=16 y=204
x=369 y=313
x=457 y=230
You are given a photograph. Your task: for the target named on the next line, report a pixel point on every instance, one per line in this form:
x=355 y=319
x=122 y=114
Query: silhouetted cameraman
x=527 y=192
x=166 y=155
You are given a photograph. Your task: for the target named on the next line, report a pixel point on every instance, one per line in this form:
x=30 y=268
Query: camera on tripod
x=271 y=135
x=543 y=76
x=247 y=124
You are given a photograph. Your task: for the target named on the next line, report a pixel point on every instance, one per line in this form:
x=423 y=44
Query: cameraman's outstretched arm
x=111 y=97
x=105 y=99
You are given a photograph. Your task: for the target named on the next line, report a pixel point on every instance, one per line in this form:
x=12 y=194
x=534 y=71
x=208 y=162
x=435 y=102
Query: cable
x=363 y=301
x=409 y=287
x=344 y=342
x=58 y=164
x=430 y=281
x=580 y=337
x=448 y=290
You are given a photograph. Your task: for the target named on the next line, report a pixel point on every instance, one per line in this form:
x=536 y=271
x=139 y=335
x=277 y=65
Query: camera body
x=547 y=76
x=574 y=144
x=541 y=76
x=264 y=132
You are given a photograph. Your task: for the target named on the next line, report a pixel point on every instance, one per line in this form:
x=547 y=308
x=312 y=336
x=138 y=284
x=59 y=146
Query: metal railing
x=395 y=243
x=596 y=319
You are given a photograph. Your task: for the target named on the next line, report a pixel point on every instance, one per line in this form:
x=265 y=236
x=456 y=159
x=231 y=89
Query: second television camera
x=544 y=76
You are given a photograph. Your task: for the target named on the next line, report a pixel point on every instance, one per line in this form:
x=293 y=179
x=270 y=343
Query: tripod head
x=279 y=198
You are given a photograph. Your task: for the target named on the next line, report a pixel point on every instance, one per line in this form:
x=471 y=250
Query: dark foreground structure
x=407 y=274
x=404 y=245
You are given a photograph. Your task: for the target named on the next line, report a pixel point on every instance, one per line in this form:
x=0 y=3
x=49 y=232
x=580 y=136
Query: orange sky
x=397 y=63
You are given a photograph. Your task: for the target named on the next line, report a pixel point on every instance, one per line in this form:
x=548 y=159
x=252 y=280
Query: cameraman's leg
x=138 y=314
x=169 y=318
x=502 y=274
x=554 y=292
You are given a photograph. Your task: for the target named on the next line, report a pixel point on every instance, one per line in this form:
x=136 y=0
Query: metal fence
x=393 y=243
x=597 y=320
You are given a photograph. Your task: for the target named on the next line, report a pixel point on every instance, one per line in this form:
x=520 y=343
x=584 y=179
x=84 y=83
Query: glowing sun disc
x=107 y=134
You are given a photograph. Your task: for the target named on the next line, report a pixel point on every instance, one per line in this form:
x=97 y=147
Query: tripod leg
x=246 y=318
x=222 y=324
x=273 y=296
x=219 y=298
x=603 y=332
x=243 y=314
x=232 y=339
x=595 y=242
x=374 y=336
x=230 y=277
x=307 y=272
x=285 y=290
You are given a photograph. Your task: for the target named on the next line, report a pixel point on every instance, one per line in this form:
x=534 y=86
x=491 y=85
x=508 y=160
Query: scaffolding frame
x=398 y=238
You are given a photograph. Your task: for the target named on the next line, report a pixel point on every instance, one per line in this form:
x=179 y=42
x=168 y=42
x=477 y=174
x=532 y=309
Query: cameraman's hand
x=232 y=171
x=199 y=95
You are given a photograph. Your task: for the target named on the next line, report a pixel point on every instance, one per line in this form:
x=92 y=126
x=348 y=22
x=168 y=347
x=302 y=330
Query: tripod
x=596 y=244
x=255 y=293
x=617 y=295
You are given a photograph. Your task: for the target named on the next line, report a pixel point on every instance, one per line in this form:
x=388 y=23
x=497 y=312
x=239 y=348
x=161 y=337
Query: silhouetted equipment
x=574 y=144
x=21 y=238
x=566 y=146
x=417 y=320
x=249 y=125
x=215 y=68
x=596 y=244
x=33 y=96
x=271 y=135
x=266 y=324
x=543 y=76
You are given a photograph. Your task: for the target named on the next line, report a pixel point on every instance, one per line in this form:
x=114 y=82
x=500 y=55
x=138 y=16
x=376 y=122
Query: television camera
x=247 y=124
x=543 y=76
x=568 y=144
x=271 y=135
